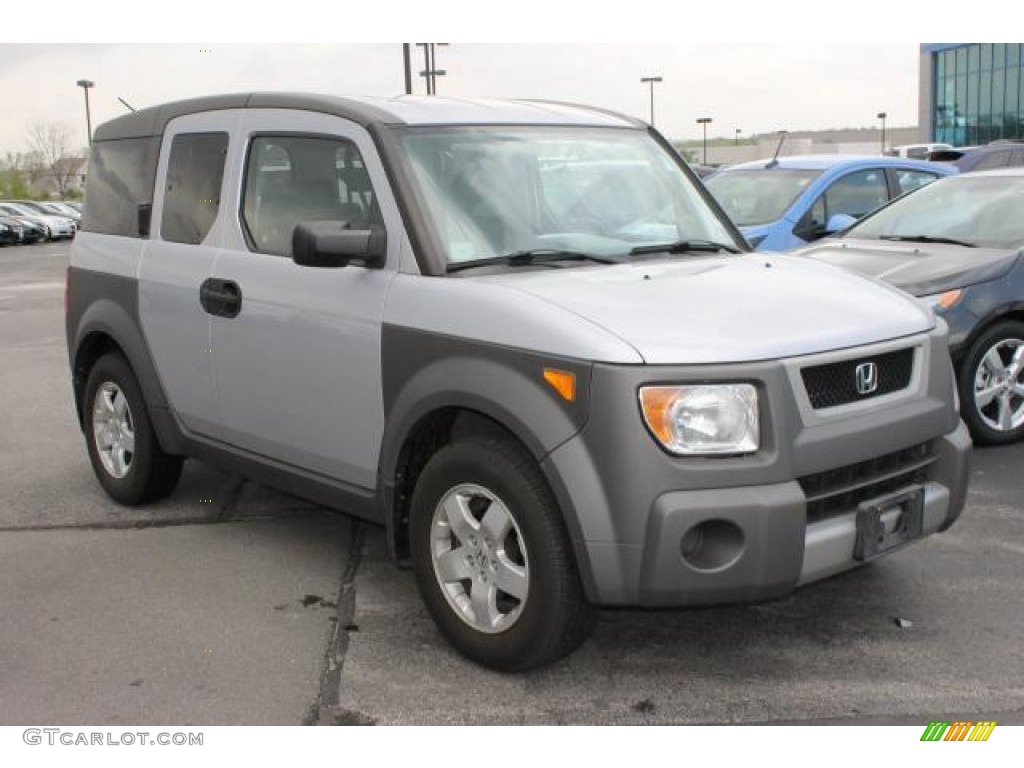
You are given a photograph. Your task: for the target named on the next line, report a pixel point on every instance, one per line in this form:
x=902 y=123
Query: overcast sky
x=754 y=87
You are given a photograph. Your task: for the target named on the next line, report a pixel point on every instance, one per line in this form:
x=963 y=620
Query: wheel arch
x=1013 y=310
x=104 y=327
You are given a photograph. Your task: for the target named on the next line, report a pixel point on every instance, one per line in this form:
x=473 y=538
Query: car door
x=297 y=367
x=185 y=231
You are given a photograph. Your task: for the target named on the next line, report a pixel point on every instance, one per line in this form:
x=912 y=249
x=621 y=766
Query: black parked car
x=32 y=231
x=10 y=231
x=957 y=243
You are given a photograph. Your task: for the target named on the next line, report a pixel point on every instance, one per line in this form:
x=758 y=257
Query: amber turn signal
x=563 y=382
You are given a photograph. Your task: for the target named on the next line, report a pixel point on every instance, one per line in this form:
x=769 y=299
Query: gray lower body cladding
x=770 y=521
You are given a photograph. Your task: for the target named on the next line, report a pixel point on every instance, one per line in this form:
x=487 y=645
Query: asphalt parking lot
x=232 y=604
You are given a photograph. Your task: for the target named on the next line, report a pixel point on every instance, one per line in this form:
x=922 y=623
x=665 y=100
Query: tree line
x=51 y=167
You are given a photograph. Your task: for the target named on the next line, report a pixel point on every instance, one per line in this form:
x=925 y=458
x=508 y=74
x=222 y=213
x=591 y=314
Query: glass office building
x=971 y=93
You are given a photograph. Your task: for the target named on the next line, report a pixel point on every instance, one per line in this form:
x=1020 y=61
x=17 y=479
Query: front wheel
x=492 y=559
x=991 y=382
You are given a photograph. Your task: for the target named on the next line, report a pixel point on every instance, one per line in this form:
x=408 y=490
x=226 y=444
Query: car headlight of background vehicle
x=702 y=419
x=940 y=301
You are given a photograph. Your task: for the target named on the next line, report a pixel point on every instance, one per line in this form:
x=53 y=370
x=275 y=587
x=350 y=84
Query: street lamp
x=737 y=140
x=85 y=85
x=704 y=121
x=430 y=70
x=881 y=116
x=652 y=81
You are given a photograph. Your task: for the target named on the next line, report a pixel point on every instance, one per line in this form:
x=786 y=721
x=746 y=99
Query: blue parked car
x=789 y=202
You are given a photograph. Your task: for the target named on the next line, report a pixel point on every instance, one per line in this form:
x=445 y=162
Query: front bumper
x=630 y=506
x=776 y=549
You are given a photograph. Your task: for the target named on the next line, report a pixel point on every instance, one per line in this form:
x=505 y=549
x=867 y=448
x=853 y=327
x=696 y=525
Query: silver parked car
x=519 y=336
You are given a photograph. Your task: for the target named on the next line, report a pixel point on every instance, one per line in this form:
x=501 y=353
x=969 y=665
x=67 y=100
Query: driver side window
x=856 y=194
x=294 y=179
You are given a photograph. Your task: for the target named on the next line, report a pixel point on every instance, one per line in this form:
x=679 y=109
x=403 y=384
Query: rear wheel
x=991 y=382
x=125 y=455
x=492 y=559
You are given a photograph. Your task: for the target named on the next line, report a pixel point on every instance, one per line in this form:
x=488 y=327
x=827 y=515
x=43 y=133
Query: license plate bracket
x=889 y=522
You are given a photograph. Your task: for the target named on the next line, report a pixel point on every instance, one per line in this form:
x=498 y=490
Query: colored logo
x=961 y=730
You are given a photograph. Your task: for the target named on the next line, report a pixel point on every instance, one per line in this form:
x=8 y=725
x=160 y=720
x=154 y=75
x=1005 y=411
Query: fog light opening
x=712 y=545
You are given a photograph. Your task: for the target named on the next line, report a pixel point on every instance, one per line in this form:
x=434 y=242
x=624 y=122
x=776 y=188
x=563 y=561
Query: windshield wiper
x=685 y=246
x=534 y=256
x=927 y=239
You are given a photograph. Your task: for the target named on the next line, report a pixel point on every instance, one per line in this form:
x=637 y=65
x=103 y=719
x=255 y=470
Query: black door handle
x=219 y=297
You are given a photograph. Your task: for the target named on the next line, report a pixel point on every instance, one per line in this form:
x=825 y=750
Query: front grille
x=834 y=384
x=837 y=491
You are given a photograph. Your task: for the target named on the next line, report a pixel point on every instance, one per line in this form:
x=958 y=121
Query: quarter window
x=294 y=179
x=121 y=178
x=195 y=171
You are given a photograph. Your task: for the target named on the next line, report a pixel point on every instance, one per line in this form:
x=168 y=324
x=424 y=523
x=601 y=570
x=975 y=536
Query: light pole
x=881 y=116
x=704 y=122
x=407 y=67
x=85 y=85
x=736 y=142
x=430 y=70
x=652 y=81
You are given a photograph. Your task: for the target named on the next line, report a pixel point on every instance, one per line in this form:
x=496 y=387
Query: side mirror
x=333 y=244
x=838 y=222
x=808 y=230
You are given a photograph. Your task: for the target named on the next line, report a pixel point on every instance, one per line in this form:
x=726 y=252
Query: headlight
x=940 y=301
x=703 y=419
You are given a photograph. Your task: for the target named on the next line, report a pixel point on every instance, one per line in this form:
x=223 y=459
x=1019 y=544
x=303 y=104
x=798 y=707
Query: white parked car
x=915 y=151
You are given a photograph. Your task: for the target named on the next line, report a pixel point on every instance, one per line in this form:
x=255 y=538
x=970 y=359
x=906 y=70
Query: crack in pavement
x=119 y=525
x=227 y=497
x=324 y=710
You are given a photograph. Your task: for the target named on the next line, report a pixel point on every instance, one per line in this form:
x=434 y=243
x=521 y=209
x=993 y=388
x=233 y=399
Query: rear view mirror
x=333 y=244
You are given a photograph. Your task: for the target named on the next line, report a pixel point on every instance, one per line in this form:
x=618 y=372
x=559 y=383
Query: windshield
x=489 y=192
x=983 y=211
x=759 y=195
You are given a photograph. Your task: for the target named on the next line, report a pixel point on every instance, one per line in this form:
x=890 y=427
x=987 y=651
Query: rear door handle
x=219 y=297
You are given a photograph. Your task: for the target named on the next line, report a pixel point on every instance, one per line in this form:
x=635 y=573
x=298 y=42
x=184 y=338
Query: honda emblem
x=867 y=378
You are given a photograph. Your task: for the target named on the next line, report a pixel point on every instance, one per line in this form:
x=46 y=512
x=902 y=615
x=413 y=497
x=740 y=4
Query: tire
x=991 y=383
x=125 y=455
x=499 y=488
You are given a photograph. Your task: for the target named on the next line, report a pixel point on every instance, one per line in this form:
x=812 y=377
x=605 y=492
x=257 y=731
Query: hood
x=918 y=268
x=720 y=309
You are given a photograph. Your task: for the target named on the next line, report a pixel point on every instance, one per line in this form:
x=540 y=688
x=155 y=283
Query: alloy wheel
x=479 y=558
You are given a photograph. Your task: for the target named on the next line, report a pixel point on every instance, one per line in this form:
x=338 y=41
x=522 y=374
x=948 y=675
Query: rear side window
x=120 y=178
x=195 y=171
x=294 y=179
x=908 y=180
